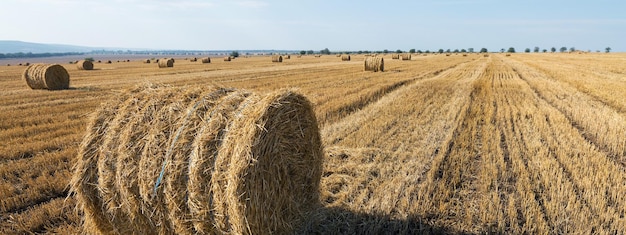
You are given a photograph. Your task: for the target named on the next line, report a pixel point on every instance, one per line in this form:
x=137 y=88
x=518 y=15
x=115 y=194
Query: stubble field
x=527 y=143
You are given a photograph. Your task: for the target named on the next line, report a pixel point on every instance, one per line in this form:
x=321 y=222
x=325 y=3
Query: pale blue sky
x=337 y=25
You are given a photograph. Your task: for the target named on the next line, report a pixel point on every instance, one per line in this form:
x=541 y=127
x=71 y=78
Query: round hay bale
x=84 y=65
x=166 y=63
x=147 y=61
x=164 y=160
x=486 y=55
x=20 y=64
x=508 y=54
x=287 y=57
x=406 y=56
x=206 y=60
x=8 y=64
x=194 y=59
x=227 y=58
x=277 y=58
x=374 y=64
x=395 y=56
x=345 y=57
x=99 y=61
x=27 y=64
x=47 y=76
x=318 y=56
x=109 y=62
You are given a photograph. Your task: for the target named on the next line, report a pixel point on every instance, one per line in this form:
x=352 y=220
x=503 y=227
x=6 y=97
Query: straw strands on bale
x=166 y=62
x=227 y=58
x=46 y=76
x=163 y=160
x=406 y=56
x=277 y=58
x=206 y=60
x=84 y=65
x=395 y=56
x=345 y=58
x=374 y=64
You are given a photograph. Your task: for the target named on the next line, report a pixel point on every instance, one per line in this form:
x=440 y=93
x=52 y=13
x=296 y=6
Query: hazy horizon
x=315 y=25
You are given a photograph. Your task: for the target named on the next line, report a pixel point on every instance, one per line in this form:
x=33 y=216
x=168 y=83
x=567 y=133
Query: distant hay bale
x=8 y=64
x=287 y=57
x=338 y=55
x=46 y=76
x=27 y=64
x=194 y=59
x=345 y=58
x=464 y=55
x=99 y=61
x=406 y=56
x=318 y=56
x=508 y=54
x=374 y=64
x=166 y=63
x=277 y=58
x=486 y=55
x=147 y=61
x=166 y=160
x=227 y=58
x=84 y=65
x=395 y=56
x=447 y=54
x=109 y=62
x=206 y=60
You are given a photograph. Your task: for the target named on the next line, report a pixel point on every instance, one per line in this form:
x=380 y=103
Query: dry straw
x=194 y=59
x=163 y=160
x=84 y=65
x=147 y=61
x=374 y=64
x=345 y=58
x=206 y=60
x=227 y=58
x=46 y=76
x=287 y=57
x=395 y=56
x=277 y=58
x=166 y=63
x=406 y=56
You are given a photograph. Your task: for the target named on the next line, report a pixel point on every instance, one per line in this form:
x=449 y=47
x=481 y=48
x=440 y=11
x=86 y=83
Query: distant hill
x=7 y=46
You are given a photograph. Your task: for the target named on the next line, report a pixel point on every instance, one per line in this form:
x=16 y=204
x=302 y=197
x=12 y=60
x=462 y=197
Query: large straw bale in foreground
x=374 y=64
x=166 y=63
x=277 y=58
x=213 y=160
x=84 y=65
x=46 y=76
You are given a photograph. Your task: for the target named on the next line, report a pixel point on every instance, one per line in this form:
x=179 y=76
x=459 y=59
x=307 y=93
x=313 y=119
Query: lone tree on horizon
x=608 y=49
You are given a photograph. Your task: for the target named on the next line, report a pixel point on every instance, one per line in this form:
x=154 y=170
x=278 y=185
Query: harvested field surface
x=530 y=143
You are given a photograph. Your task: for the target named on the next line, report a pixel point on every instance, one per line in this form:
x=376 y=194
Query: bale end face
x=374 y=64
x=84 y=65
x=166 y=63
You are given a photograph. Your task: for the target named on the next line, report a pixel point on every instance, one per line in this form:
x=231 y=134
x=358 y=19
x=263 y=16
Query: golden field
x=527 y=143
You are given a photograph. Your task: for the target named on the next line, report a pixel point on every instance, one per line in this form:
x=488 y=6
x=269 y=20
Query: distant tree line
x=36 y=55
x=468 y=50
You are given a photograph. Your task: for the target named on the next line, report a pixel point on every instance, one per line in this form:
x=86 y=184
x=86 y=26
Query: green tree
x=502 y=50
x=420 y=51
x=463 y=51
x=427 y=51
x=536 y=49
x=470 y=50
x=398 y=51
x=412 y=51
x=511 y=50
x=545 y=50
x=310 y=52
x=456 y=51
x=302 y=52
x=234 y=54
x=483 y=50
x=385 y=51
x=325 y=51
x=563 y=49
x=572 y=49
x=553 y=49
x=527 y=50
x=440 y=51
x=607 y=49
